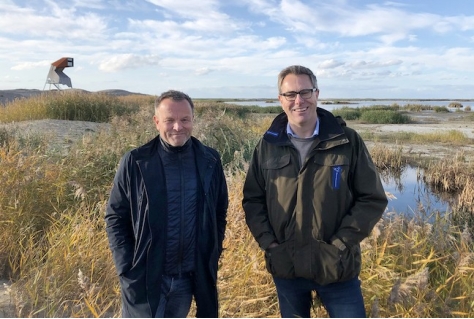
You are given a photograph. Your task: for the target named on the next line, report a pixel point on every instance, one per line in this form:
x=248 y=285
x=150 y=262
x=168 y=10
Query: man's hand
x=273 y=245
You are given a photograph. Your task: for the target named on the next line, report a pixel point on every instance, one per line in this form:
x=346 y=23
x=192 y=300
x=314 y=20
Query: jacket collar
x=176 y=149
x=150 y=149
x=148 y=161
x=329 y=127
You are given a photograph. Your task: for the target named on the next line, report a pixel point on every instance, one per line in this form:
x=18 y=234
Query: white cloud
x=93 y=4
x=199 y=16
x=331 y=73
x=389 y=21
x=8 y=78
x=52 y=22
x=394 y=4
x=248 y=43
x=330 y=64
x=185 y=8
x=461 y=59
x=389 y=39
x=31 y=65
x=202 y=71
x=266 y=7
x=127 y=61
x=361 y=64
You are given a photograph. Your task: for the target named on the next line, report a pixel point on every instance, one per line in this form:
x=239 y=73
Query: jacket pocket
x=133 y=285
x=277 y=162
x=279 y=261
x=330 y=264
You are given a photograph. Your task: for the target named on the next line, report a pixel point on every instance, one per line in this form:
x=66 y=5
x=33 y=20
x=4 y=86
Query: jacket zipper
x=181 y=215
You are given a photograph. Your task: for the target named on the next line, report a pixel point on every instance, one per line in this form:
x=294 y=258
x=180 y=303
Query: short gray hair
x=296 y=69
x=176 y=96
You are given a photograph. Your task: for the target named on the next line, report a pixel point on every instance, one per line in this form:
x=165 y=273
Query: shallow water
x=413 y=197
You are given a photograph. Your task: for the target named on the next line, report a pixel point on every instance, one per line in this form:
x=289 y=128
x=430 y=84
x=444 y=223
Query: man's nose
x=177 y=126
x=299 y=99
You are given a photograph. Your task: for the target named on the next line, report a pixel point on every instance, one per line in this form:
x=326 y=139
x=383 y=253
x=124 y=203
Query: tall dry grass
x=70 y=105
x=388 y=158
x=55 y=250
x=451 y=137
x=456 y=176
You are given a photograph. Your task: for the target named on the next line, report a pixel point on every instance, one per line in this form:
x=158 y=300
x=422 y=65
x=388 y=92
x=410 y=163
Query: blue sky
x=235 y=49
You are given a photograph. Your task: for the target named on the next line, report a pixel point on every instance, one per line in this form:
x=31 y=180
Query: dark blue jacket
x=137 y=205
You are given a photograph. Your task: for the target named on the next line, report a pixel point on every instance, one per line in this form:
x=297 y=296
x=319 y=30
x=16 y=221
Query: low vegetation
x=393 y=114
x=455 y=105
x=377 y=114
x=441 y=109
x=55 y=250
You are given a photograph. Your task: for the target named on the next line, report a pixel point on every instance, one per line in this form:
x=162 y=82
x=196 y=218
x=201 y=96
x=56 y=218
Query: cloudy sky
x=235 y=49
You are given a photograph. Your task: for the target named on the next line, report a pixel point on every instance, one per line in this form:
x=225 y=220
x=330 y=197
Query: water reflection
x=413 y=197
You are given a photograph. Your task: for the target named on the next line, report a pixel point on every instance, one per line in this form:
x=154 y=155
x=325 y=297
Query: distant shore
x=10 y=95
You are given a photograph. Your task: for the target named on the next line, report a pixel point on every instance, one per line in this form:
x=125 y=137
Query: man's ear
x=279 y=98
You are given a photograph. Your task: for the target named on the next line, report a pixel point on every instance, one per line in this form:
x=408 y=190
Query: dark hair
x=176 y=96
x=296 y=69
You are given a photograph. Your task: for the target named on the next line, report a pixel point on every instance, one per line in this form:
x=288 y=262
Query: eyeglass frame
x=298 y=93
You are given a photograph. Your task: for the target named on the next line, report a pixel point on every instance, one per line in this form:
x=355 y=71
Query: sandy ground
x=425 y=123
x=6 y=305
x=61 y=133
x=422 y=128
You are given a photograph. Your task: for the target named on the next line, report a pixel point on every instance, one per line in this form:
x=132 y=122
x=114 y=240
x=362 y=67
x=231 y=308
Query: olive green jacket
x=318 y=213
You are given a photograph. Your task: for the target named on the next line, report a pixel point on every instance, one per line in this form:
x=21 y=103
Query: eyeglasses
x=304 y=94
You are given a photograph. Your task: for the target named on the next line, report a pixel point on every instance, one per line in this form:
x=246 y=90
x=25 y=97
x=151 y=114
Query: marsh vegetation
x=55 y=251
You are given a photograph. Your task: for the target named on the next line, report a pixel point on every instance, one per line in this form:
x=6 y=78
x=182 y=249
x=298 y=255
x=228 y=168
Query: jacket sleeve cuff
x=335 y=241
x=266 y=240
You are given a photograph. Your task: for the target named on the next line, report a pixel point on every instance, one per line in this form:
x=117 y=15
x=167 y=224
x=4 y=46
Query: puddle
x=413 y=197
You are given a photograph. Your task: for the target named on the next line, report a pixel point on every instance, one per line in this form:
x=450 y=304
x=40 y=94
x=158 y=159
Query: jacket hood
x=330 y=127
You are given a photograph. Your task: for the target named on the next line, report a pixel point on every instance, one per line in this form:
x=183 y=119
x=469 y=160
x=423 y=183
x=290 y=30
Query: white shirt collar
x=289 y=131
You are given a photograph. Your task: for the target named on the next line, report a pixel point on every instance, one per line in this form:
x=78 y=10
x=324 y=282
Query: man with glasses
x=311 y=195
